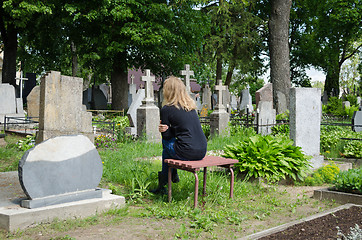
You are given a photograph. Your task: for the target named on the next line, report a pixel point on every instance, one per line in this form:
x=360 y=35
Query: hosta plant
x=349 y=181
x=268 y=157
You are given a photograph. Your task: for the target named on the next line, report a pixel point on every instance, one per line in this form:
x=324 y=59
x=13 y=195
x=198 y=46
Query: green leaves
x=350 y=180
x=272 y=158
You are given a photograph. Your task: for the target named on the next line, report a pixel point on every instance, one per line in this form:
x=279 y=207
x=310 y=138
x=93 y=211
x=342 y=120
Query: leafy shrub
x=335 y=107
x=330 y=140
x=352 y=99
x=206 y=130
x=349 y=181
x=26 y=143
x=325 y=174
x=268 y=157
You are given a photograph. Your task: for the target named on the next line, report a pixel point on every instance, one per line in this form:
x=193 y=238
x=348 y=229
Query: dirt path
x=129 y=227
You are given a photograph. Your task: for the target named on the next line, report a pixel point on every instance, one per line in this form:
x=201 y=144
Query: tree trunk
x=218 y=69
x=229 y=75
x=74 y=59
x=279 y=53
x=10 y=48
x=119 y=82
x=332 y=80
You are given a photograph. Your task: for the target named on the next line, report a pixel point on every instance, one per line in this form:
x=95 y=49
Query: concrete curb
x=285 y=226
x=339 y=197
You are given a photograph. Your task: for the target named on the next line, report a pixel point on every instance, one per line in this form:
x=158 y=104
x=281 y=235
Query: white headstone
x=10 y=106
x=187 y=73
x=266 y=117
x=148 y=79
x=305 y=119
x=233 y=102
x=19 y=81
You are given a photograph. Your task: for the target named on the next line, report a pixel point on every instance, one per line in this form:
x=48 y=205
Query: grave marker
x=219 y=118
x=187 y=73
x=357 y=121
x=61 y=111
x=148 y=114
x=305 y=119
x=61 y=169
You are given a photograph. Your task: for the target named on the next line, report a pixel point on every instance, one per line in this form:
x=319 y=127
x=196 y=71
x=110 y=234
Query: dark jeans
x=168 y=153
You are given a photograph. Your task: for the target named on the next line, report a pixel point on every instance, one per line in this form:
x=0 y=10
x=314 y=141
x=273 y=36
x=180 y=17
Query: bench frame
x=194 y=167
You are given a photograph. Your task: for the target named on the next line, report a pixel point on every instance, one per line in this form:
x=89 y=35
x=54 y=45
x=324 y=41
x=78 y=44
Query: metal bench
x=194 y=166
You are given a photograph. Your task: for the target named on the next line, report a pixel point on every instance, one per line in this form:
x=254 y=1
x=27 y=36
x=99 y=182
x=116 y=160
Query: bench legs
x=197 y=184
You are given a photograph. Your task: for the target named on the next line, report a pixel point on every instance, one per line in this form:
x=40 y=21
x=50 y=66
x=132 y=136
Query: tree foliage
x=325 y=36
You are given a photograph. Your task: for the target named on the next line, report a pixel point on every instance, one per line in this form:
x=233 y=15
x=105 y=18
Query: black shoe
x=161 y=183
x=159 y=190
x=175 y=178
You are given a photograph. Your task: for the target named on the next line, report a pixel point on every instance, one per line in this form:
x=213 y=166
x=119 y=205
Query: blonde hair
x=175 y=94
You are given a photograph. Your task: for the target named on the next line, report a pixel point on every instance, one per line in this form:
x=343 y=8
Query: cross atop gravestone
x=187 y=73
x=220 y=88
x=132 y=79
x=21 y=79
x=148 y=86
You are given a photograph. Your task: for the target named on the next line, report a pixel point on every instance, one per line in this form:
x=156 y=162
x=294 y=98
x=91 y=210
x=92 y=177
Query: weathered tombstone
x=226 y=99
x=219 y=118
x=9 y=104
x=246 y=100
x=233 y=102
x=61 y=111
x=87 y=98
x=359 y=103
x=33 y=101
x=264 y=94
x=346 y=104
x=132 y=91
x=187 y=73
x=206 y=96
x=198 y=102
x=106 y=91
x=305 y=119
x=59 y=170
x=132 y=111
x=357 y=121
x=100 y=100
x=148 y=115
x=266 y=117
x=29 y=85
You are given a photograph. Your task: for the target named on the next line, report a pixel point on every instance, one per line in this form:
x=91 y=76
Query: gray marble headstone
x=266 y=117
x=233 y=102
x=264 y=94
x=246 y=100
x=359 y=101
x=206 y=96
x=346 y=104
x=60 y=169
x=305 y=120
x=357 y=121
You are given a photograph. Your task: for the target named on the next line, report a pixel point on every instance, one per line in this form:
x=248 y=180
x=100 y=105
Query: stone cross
x=220 y=88
x=187 y=73
x=132 y=79
x=21 y=79
x=148 y=86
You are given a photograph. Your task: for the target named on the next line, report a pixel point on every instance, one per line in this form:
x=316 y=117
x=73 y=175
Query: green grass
x=131 y=169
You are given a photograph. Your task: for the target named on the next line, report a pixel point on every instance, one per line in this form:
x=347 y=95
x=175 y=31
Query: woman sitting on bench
x=182 y=135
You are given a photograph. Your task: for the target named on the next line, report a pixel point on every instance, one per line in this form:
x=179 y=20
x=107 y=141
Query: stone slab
x=14 y=217
x=63 y=198
x=7 y=99
x=287 y=225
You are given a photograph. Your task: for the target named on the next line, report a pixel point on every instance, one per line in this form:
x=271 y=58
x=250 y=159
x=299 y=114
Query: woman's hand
x=162 y=127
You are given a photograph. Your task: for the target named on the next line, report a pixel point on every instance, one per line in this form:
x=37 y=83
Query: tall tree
x=234 y=42
x=326 y=36
x=15 y=16
x=279 y=52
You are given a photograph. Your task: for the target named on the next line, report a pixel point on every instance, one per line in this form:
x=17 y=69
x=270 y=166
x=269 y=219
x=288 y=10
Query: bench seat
x=194 y=166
